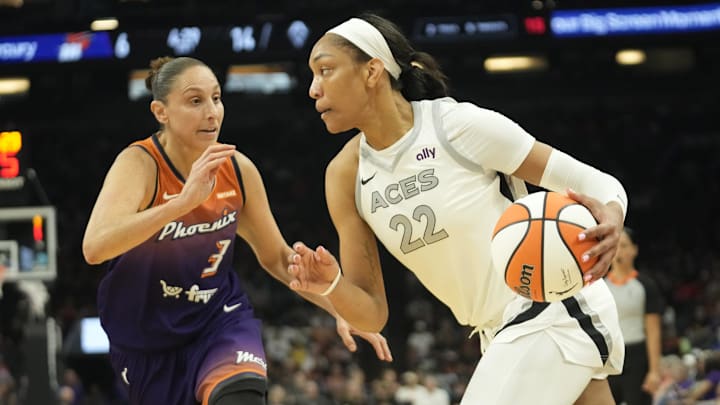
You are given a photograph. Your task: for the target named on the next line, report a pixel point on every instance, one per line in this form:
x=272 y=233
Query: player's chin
x=335 y=127
x=209 y=136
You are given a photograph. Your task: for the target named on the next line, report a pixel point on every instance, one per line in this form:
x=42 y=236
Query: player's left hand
x=378 y=341
x=607 y=232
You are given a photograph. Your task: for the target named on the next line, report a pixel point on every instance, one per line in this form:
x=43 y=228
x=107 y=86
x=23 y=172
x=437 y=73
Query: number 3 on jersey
x=430 y=236
x=216 y=258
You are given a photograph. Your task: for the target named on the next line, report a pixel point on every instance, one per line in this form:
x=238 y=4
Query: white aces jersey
x=433 y=199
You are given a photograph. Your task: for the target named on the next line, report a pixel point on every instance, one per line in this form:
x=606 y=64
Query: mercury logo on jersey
x=179 y=230
x=247 y=357
x=404 y=189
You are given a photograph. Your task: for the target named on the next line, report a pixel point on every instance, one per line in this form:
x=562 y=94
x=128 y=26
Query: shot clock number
x=10 y=145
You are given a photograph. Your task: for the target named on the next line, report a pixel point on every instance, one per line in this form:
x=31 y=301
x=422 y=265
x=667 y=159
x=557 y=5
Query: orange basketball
x=535 y=246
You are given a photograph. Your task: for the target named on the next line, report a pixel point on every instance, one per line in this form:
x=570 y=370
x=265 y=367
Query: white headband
x=366 y=37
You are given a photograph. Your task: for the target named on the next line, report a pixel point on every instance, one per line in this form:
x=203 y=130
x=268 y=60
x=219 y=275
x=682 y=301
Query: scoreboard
x=262 y=38
x=284 y=37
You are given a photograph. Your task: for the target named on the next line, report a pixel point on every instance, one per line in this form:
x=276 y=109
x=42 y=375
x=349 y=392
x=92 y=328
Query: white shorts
x=545 y=348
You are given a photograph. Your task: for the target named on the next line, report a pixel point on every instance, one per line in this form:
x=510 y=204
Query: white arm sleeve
x=563 y=171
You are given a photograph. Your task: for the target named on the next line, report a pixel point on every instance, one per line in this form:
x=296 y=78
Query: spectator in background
x=385 y=387
x=640 y=308
x=71 y=390
x=674 y=381
x=420 y=340
x=434 y=394
x=277 y=395
x=410 y=391
x=706 y=386
x=8 y=391
x=311 y=395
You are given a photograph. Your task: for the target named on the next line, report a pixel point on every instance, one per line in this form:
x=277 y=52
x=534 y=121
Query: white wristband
x=334 y=283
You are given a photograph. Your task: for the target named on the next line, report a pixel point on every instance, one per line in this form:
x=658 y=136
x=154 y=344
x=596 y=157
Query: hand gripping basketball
x=535 y=246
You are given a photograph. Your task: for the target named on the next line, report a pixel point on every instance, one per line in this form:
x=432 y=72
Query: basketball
x=535 y=246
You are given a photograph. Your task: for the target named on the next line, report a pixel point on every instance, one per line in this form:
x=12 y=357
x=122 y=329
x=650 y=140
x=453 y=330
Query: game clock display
x=205 y=42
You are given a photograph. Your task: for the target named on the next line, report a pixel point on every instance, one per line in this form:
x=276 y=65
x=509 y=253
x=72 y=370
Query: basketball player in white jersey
x=422 y=176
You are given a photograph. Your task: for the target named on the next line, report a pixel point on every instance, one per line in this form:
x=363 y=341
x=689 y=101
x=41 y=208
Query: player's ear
x=375 y=71
x=159 y=111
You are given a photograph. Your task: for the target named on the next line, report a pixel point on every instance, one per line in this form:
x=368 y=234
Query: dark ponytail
x=421 y=77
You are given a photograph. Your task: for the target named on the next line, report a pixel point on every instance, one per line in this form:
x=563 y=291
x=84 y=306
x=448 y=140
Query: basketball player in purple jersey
x=423 y=178
x=180 y=325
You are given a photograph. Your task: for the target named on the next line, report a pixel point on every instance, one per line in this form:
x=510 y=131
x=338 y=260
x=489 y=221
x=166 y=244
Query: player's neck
x=390 y=121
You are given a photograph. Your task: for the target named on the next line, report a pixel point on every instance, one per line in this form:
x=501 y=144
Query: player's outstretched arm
x=311 y=268
x=258 y=228
x=357 y=291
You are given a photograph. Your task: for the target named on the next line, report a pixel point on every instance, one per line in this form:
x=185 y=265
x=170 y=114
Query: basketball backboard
x=28 y=243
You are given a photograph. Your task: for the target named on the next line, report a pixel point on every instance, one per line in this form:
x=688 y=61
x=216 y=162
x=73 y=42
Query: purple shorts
x=231 y=345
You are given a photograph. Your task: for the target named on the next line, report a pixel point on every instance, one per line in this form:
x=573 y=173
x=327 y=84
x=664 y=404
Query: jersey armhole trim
x=157 y=175
x=161 y=150
x=236 y=165
x=516 y=187
x=445 y=142
x=358 y=199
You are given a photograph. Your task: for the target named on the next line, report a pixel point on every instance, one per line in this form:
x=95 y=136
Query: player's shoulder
x=451 y=109
x=246 y=165
x=137 y=154
x=349 y=152
x=346 y=160
x=242 y=159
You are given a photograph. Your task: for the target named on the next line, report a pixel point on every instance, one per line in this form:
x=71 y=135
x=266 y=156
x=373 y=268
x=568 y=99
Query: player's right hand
x=313 y=271
x=606 y=232
x=201 y=180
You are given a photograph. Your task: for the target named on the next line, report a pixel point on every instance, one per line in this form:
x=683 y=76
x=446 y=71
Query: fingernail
x=585 y=258
x=587 y=277
x=582 y=236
